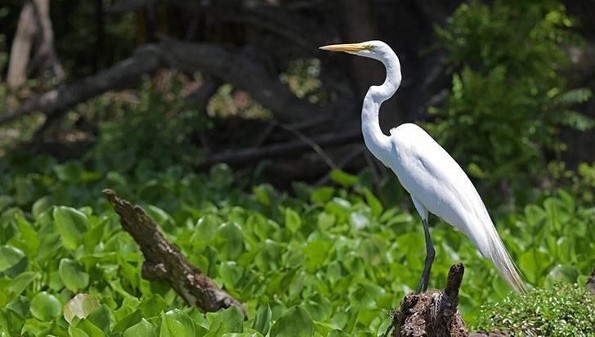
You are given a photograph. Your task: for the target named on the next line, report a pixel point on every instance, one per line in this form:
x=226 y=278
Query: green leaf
x=73 y=275
x=41 y=205
x=232 y=238
x=534 y=263
x=153 y=306
x=322 y=194
x=293 y=222
x=76 y=332
x=175 y=323
x=29 y=236
x=89 y=328
x=20 y=306
x=80 y=306
x=21 y=282
x=128 y=321
x=9 y=257
x=342 y=178
x=561 y=273
x=45 y=306
x=93 y=237
x=262 y=319
x=226 y=321
x=373 y=202
x=71 y=224
x=294 y=322
x=142 y=328
x=10 y=322
x=206 y=228
x=48 y=247
x=230 y=273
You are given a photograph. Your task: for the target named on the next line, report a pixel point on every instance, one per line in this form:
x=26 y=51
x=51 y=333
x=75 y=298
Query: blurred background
x=144 y=85
x=242 y=140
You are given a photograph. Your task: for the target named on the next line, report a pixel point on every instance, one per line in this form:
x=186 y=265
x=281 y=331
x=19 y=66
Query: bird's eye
x=369 y=47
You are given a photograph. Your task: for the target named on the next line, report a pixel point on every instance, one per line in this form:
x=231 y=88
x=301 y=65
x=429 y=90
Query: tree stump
x=433 y=313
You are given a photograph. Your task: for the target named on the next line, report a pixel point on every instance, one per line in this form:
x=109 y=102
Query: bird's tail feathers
x=502 y=261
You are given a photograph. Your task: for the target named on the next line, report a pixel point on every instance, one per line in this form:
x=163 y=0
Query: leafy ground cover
x=328 y=261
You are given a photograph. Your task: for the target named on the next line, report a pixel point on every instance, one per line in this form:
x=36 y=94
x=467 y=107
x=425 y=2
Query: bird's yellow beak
x=347 y=47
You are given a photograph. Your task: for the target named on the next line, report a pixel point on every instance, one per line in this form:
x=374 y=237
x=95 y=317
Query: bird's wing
x=436 y=181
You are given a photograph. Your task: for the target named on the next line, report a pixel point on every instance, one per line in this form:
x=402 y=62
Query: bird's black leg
x=425 y=276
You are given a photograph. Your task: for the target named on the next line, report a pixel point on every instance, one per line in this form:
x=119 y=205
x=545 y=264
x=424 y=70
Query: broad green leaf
x=326 y=220
x=89 y=328
x=294 y=322
x=206 y=228
x=21 y=282
x=48 y=247
x=128 y=321
x=101 y=318
x=41 y=205
x=93 y=237
x=262 y=320
x=293 y=222
x=232 y=238
x=10 y=322
x=319 y=307
x=29 y=237
x=76 y=332
x=343 y=178
x=533 y=264
x=230 y=273
x=71 y=224
x=373 y=202
x=20 y=306
x=45 y=306
x=562 y=273
x=80 y=306
x=142 y=328
x=322 y=194
x=226 y=321
x=9 y=257
x=175 y=323
x=73 y=275
x=153 y=306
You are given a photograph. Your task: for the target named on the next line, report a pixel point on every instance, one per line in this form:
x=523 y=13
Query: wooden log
x=164 y=261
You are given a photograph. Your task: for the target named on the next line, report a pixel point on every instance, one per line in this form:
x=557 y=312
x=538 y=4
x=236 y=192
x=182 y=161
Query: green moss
x=562 y=310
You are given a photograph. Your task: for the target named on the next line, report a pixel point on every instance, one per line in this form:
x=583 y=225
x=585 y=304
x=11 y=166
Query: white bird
x=432 y=177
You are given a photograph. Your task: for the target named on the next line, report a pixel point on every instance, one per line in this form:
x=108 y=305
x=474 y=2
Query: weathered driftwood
x=164 y=261
x=433 y=313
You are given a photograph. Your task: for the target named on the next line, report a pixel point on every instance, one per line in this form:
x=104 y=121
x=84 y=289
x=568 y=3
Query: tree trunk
x=21 y=47
x=46 y=60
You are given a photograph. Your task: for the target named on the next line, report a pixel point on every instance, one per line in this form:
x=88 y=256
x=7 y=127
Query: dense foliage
x=508 y=100
x=331 y=260
x=562 y=310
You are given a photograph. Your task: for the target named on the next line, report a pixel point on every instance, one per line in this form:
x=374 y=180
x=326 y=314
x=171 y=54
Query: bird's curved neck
x=377 y=142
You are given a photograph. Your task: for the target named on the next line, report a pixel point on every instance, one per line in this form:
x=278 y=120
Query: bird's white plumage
x=432 y=177
x=436 y=182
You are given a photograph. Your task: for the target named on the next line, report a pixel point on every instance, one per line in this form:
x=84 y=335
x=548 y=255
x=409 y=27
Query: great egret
x=432 y=177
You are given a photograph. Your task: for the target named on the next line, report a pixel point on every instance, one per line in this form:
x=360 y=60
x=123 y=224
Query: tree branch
x=254 y=154
x=164 y=261
x=232 y=67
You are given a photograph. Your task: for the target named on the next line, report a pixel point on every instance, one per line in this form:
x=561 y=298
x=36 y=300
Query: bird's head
x=373 y=49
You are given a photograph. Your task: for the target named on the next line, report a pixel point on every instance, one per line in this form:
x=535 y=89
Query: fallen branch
x=254 y=154
x=433 y=313
x=164 y=261
x=232 y=67
x=144 y=60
